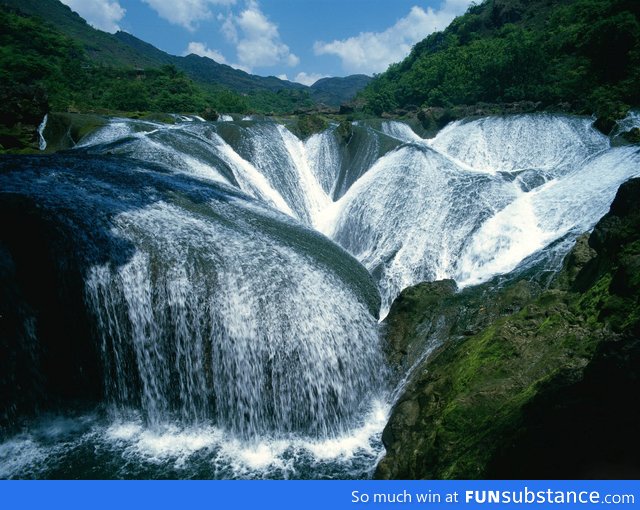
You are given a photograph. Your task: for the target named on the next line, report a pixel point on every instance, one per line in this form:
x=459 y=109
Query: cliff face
x=542 y=385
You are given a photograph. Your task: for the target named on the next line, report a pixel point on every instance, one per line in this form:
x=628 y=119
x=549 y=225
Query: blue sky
x=299 y=40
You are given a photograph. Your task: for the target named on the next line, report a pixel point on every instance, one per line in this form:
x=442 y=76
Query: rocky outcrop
x=424 y=316
x=544 y=392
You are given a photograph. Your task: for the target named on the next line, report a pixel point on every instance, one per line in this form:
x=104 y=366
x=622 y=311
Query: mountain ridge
x=123 y=49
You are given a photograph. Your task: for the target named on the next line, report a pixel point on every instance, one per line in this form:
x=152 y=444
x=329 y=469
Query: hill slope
x=583 y=55
x=125 y=50
x=335 y=91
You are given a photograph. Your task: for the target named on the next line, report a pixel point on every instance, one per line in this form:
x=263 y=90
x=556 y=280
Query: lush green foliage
x=582 y=52
x=231 y=89
x=335 y=91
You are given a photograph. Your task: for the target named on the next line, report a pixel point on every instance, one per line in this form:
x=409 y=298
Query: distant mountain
x=335 y=91
x=125 y=50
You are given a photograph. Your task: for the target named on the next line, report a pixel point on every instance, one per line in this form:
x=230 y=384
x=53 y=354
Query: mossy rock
x=632 y=136
x=345 y=131
x=310 y=124
x=165 y=118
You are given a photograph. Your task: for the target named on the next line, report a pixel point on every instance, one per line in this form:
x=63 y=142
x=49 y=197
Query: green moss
x=309 y=124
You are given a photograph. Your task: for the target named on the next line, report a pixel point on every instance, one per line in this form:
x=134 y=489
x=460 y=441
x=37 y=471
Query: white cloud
x=308 y=79
x=283 y=77
x=372 y=52
x=198 y=48
x=185 y=13
x=101 y=14
x=257 y=39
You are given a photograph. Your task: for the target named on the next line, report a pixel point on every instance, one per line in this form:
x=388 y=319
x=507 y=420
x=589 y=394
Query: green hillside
x=42 y=69
x=575 y=55
x=126 y=51
x=335 y=91
x=101 y=47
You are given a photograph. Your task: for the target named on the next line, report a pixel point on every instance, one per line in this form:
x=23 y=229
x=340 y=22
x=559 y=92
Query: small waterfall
x=42 y=143
x=323 y=156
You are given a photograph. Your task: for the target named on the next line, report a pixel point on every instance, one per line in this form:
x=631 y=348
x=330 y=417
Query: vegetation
x=334 y=91
x=541 y=392
x=577 y=55
x=307 y=125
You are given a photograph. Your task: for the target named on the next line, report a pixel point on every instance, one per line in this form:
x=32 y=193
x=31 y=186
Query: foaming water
x=128 y=448
x=396 y=219
x=477 y=200
x=573 y=204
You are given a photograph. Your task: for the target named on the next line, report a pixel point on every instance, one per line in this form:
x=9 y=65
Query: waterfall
x=252 y=364
x=231 y=275
x=224 y=311
x=389 y=197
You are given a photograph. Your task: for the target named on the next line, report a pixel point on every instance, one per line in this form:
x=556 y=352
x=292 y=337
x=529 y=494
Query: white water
x=631 y=121
x=173 y=450
x=208 y=312
x=478 y=199
x=488 y=177
x=42 y=143
x=229 y=329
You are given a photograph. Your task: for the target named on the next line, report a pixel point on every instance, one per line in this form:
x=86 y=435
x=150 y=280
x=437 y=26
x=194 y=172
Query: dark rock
x=605 y=124
x=210 y=114
x=345 y=131
x=632 y=136
x=346 y=109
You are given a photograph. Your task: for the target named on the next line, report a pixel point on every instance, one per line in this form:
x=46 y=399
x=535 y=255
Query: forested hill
x=579 y=55
x=123 y=50
x=126 y=52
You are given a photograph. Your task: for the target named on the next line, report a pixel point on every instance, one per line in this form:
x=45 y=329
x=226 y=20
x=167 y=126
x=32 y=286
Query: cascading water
x=42 y=143
x=219 y=312
x=237 y=341
x=478 y=199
